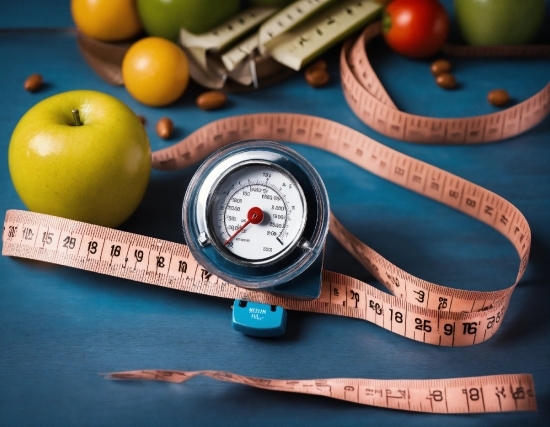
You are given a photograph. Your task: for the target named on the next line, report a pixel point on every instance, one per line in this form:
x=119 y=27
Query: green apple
x=499 y=22
x=94 y=171
x=164 y=18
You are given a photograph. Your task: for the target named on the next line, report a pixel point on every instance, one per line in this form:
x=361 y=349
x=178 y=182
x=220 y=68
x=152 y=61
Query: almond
x=498 y=97
x=317 y=77
x=440 y=66
x=320 y=64
x=446 y=80
x=33 y=82
x=211 y=100
x=165 y=127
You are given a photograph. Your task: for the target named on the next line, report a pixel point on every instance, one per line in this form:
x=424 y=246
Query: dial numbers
x=270 y=190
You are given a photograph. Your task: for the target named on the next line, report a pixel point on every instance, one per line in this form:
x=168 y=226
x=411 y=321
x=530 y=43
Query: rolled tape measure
x=292 y=40
x=223 y=35
x=287 y=40
x=418 y=310
x=369 y=100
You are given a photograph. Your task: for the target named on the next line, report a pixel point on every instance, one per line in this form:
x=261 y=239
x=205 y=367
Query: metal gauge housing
x=256 y=214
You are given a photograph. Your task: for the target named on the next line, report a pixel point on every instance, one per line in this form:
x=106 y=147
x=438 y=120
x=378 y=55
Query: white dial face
x=258 y=213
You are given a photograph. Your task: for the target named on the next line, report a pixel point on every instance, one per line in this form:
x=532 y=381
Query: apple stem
x=76 y=116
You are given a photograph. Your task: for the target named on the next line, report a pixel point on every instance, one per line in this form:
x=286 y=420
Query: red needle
x=254 y=216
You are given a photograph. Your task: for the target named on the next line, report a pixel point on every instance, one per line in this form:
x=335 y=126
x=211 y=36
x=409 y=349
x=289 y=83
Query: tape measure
x=295 y=48
x=417 y=309
x=288 y=18
x=223 y=35
x=364 y=92
x=286 y=41
x=462 y=317
x=498 y=393
x=369 y=100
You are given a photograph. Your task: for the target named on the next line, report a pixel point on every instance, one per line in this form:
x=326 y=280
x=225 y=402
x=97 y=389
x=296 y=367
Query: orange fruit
x=155 y=71
x=106 y=20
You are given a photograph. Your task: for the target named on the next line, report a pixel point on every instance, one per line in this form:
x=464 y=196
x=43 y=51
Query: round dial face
x=257 y=213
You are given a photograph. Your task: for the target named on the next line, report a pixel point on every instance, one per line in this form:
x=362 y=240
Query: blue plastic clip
x=259 y=320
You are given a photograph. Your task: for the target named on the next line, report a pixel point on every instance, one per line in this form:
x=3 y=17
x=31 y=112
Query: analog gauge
x=256 y=214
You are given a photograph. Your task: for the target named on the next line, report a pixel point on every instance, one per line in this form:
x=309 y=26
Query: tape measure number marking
x=370 y=102
x=168 y=264
x=498 y=393
x=420 y=310
x=163 y=263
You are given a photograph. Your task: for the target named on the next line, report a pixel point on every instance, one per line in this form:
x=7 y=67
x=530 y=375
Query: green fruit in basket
x=499 y=22
x=164 y=18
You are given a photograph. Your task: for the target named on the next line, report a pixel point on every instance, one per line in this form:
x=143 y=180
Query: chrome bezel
x=198 y=198
x=206 y=201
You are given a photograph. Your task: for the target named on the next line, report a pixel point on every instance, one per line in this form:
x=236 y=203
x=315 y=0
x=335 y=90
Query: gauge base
x=306 y=286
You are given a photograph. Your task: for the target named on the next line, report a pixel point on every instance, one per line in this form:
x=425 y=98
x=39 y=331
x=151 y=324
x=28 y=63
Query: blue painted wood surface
x=60 y=327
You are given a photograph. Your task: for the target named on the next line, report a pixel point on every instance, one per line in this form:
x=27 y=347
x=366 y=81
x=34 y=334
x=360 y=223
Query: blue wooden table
x=61 y=327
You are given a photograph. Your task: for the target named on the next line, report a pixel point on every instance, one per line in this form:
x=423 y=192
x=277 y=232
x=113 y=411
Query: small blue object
x=259 y=320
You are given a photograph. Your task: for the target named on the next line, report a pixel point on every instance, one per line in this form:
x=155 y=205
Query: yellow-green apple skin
x=97 y=172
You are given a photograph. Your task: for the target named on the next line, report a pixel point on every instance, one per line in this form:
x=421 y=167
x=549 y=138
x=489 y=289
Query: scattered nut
x=33 y=82
x=320 y=64
x=498 y=97
x=316 y=74
x=211 y=100
x=142 y=119
x=317 y=77
x=440 y=66
x=165 y=127
x=446 y=81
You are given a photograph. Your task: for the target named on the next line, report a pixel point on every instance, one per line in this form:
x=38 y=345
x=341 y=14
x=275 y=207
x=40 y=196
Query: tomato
x=415 y=28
